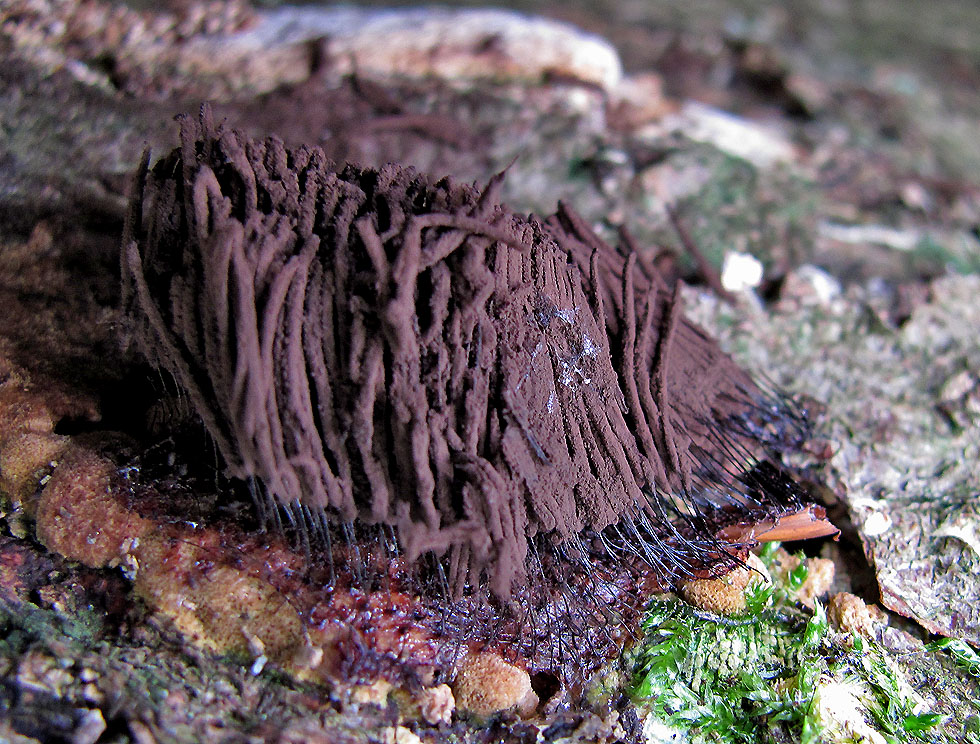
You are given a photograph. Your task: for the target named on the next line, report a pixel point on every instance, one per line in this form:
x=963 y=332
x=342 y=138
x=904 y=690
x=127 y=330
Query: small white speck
x=258 y=665
x=589 y=347
x=877 y=524
x=566 y=375
x=740 y=271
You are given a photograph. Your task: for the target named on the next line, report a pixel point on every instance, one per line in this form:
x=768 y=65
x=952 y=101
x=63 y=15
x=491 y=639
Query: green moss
x=933 y=254
x=963 y=654
x=778 y=673
x=769 y=214
x=23 y=623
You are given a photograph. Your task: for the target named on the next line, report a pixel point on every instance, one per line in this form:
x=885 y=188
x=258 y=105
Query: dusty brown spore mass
x=375 y=347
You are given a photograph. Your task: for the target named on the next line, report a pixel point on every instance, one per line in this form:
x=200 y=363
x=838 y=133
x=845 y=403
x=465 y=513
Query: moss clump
x=779 y=672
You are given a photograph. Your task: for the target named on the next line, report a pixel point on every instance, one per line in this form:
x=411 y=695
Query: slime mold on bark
x=514 y=403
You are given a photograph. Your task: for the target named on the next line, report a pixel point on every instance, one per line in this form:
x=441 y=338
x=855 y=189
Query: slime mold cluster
x=519 y=411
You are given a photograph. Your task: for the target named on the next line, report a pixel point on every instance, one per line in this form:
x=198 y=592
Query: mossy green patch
x=769 y=214
x=778 y=673
x=953 y=253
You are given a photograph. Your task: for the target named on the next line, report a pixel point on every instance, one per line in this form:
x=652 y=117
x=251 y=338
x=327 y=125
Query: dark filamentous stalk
x=511 y=397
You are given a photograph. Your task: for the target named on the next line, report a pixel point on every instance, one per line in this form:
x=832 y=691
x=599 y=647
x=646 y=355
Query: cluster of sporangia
x=515 y=400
